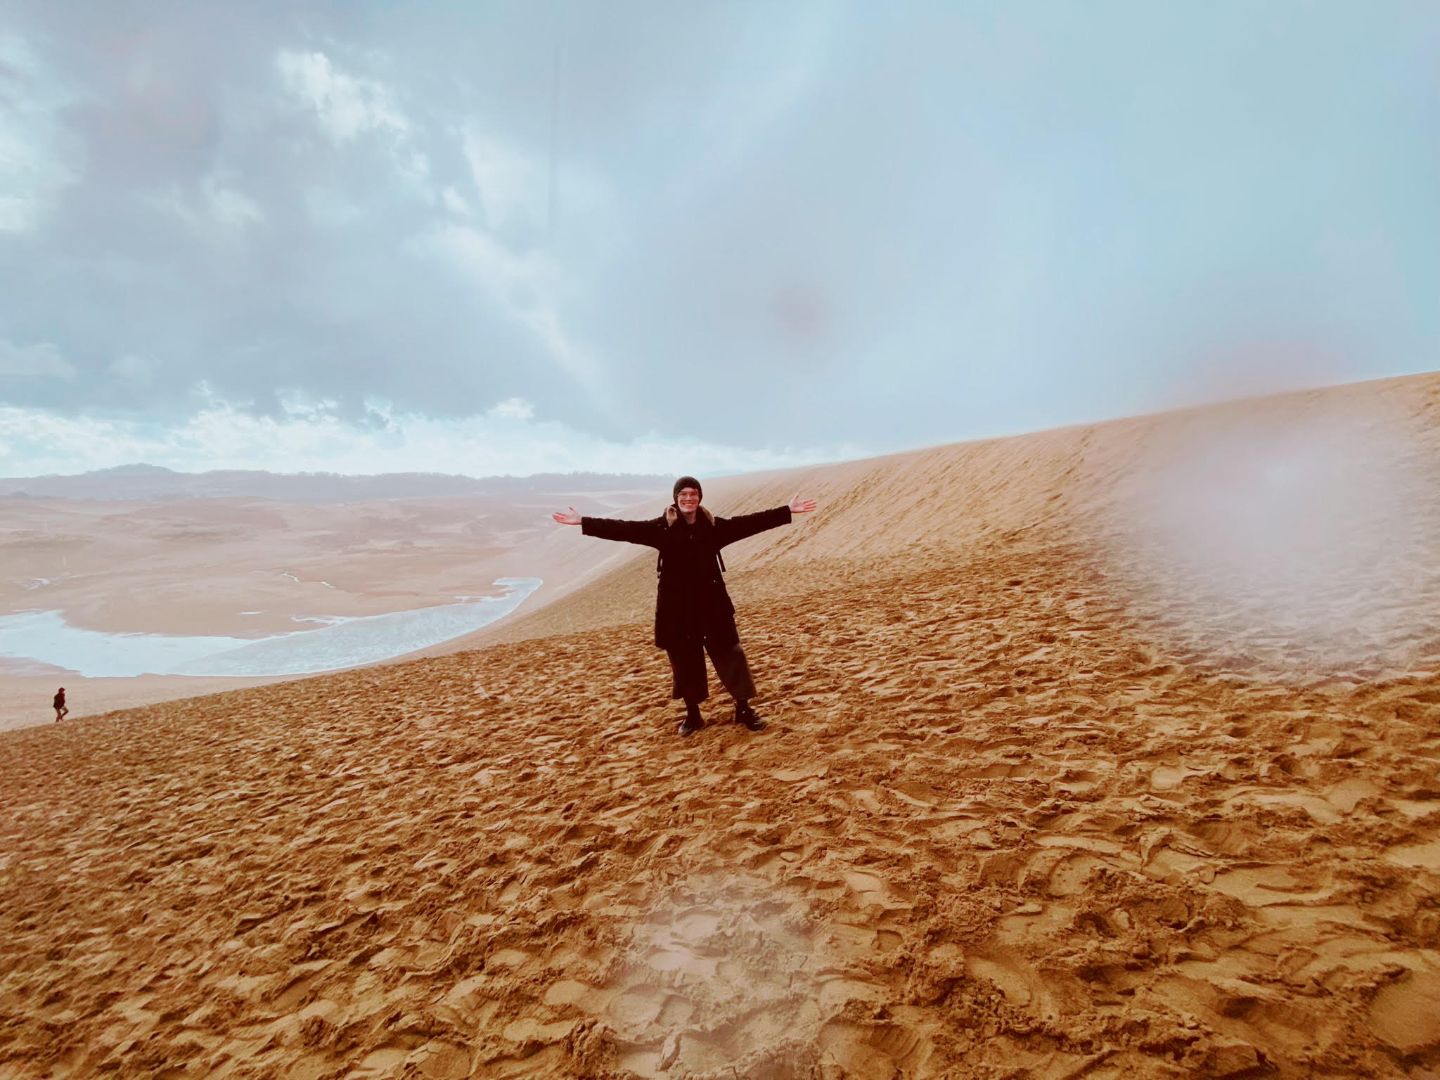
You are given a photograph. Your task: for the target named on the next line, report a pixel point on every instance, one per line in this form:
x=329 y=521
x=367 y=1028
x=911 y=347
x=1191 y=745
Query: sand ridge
x=1027 y=807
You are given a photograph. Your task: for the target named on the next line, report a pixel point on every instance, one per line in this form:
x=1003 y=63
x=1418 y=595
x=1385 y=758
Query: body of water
x=341 y=643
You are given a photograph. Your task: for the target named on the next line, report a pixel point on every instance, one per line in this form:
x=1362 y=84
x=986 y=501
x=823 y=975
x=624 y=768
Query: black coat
x=692 y=603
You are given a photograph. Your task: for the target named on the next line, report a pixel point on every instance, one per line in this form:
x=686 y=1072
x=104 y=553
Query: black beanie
x=684 y=482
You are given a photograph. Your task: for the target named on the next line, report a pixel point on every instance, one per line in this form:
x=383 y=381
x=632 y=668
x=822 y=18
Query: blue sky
x=708 y=238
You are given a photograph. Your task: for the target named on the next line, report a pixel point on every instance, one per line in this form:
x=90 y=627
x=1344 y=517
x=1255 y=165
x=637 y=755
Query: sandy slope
x=1062 y=780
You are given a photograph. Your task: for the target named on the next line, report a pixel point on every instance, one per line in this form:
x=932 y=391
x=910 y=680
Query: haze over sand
x=1107 y=752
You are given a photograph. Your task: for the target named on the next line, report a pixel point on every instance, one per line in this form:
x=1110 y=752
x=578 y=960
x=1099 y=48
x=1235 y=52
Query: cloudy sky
x=659 y=237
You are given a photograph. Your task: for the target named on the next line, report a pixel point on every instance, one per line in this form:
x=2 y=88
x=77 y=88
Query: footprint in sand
x=1057 y=872
x=873 y=1050
x=1017 y=980
x=1168 y=777
x=570 y=992
x=507 y=958
x=1263 y=884
x=638 y=1007
x=1406 y=1014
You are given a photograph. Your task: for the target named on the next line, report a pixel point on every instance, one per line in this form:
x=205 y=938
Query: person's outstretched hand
x=801 y=506
x=572 y=518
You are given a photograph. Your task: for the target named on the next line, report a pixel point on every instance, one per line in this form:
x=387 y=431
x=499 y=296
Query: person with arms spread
x=693 y=611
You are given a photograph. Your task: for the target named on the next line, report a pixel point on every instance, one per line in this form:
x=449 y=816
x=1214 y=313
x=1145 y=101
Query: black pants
x=687 y=669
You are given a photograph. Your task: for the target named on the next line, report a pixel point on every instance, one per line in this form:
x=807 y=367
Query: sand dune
x=1065 y=778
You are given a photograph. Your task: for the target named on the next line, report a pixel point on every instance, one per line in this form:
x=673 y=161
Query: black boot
x=746 y=715
x=693 y=721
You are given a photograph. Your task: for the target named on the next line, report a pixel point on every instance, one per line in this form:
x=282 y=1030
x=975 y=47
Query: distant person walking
x=693 y=611
x=61 y=709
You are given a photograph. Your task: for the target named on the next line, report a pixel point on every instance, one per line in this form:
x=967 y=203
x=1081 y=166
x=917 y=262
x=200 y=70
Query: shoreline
x=338 y=643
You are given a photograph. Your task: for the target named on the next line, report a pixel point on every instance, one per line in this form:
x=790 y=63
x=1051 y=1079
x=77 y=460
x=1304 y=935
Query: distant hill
x=146 y=482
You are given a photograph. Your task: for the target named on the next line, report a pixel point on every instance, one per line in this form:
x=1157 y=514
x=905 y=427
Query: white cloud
x=514 y=408
x=310 y=437
x=301 y=406
x=214 y=209
x=39 y=361
x=133 y=368
x=415 y=167
x=230 y=207
x=329 y=208
x=345 y=105
x=31 y=170
x=512 y=187
x=513 y=278
x=455 y=202
x=526 y=286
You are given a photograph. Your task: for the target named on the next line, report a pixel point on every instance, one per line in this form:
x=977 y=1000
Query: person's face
x=688 y=500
